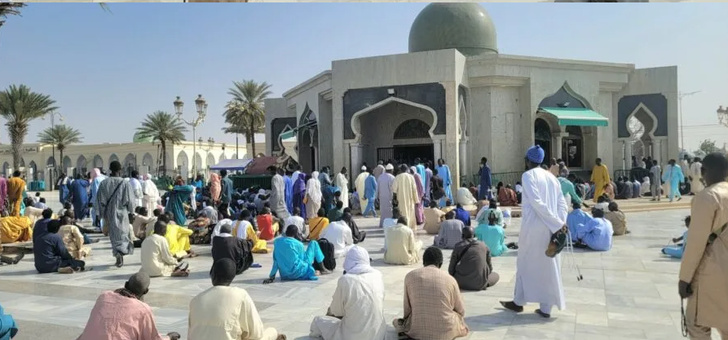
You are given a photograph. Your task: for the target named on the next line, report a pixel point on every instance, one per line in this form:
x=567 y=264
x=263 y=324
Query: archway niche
x=542 y=136
x=98 y=162
x=183 y=165
x=572 y=150
x=81 y=166
x=307 y=147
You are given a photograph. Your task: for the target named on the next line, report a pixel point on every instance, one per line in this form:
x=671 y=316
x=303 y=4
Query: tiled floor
x=629 y=292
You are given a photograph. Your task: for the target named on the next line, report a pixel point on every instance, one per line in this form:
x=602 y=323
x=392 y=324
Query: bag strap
x=714 y=235
x=112 y=194
x=465 y=250
x=317 y=224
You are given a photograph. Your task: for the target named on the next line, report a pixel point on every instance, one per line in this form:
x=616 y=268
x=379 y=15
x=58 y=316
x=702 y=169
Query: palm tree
x=245 y=111
x=8 y=9
x=165 y=128
x=19 y=106
x=61 y=136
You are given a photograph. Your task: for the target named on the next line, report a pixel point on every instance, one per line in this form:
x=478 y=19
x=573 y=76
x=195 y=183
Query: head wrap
x=535 y=154
x=223 y=272
x=363 y=168
x=357 y=261
x=216 y=230
x=389 y=167
x=313 y=187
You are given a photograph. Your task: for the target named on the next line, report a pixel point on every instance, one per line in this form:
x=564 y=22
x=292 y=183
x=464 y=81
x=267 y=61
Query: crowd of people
x=310 y=220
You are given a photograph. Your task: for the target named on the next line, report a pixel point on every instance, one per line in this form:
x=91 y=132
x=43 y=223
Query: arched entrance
x=642 y=124
x=81 y=167
x=33 y=171
x=308 y=141
x=66 y=165
x=6 y=169
x=393 y=129
x=148 y=162
x=98 y=162
x=130 y=163
x=183 y=165
x=113 y=158
x=572 y=149
x=542 y=134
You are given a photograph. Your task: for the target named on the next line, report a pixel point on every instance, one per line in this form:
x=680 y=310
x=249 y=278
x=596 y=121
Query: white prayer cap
x=363 y=168
x=389 y=167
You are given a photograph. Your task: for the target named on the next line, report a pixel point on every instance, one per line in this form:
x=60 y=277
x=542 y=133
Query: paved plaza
x=629 y=292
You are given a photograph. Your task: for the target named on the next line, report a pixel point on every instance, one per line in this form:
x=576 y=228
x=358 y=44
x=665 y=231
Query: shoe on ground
x=65 y=270
x=119 y=260
x=539 y=312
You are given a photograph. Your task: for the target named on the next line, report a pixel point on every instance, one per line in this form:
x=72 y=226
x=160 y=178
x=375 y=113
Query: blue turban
x=535 y=154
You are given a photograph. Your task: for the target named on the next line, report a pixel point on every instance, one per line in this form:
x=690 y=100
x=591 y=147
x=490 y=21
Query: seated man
x=225 y=312
x=357 y=309
x=485 y=212
x=267 y=224
x=201 y=229
x=178 y=238
x=317 y=224
x=293 y=261
x=73 y=239
x=33 y=213
x=577 y=220
x=41 y=204
x=15 y=229
x=50 y=253
x=462 y=215
x=433 y=217
x=400 y=244
x=433 y=306
x=143 y=225
x=122 y=314
x=492 y=235
x=507 y=197
x=227 y=246
x=156 y=258
x=465 y=197
x=339 y=234
x=337 y=213
x=678 y=249
x=357 y=235
x=243 y=229
x=470 y=264
x=210 y=212
x=597 y=233
x=297 y=220
x=617 y=218
x=8 y=328
x=451 y=232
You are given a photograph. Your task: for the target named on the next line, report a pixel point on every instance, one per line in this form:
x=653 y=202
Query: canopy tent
x=576 y=116
x=232 y=164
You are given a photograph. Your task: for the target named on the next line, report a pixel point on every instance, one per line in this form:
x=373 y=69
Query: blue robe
x=576 y=221
x=198 y=187
x=293 y=261
x=288 y=193
x=79 y=197
x=94 y=192
x=444 y=172
x=177 y=197
x=674 y=176
x=299 y=193
x=8 y=327
x=370 y=193
x=423 y=174
x=63 y=192
x=597 y=234
x=485 y=184
x=677 y=250
x=463 y=216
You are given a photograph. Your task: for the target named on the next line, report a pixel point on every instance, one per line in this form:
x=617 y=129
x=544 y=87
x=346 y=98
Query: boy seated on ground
x=177 y=237
x=156 y=258
x=617 y=218
x=450 y=233
x=293 y=260
x=597 y=233
x=268 y=225
x=73 y=239
x=492 y=235
x=678 y=249
x=142 y=225
x=243 y=229
x=433 y=217
x=50 y=253
x=316 y=225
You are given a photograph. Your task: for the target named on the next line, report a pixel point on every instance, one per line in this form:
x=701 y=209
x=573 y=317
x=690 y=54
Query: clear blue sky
x=108 y=70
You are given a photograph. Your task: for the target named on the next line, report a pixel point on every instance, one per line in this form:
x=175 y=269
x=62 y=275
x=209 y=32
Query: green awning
x=288 y=134
x=576 y=116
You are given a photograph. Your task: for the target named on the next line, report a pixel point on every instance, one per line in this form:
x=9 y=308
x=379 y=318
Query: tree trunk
x=237 y=154
x=60 y=150
x=16 y=143
x=251 y=139
x=164 y=157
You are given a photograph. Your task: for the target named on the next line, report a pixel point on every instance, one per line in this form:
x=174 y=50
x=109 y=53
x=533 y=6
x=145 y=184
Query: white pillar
x=627 y=154
x=657 y=151
x=355 y=150
x=464 y=157
x=558 y=147
x=437 y=149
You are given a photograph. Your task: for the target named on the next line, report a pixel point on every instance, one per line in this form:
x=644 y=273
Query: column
x=437 y=149
x=355 y=150
x=464 y=158
x=657 y=151
x=627 y=154
x=558 y=138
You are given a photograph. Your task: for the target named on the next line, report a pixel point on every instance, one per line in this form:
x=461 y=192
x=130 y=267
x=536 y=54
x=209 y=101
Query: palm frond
x=9 y=8
x=60 y=135
x=162 y=126
x=19 y=106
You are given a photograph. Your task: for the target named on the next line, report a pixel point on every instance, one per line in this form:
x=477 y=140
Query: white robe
x=406 y=190
x=696 y=185
x=538 y=277
x=136 y=186
x=360 y=187
x=343 y=184
x=150 y=197
x=226 y=313
x=278 y=197
x=339 y=234
x=360 y=300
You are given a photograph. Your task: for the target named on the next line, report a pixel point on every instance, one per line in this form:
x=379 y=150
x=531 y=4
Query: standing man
x=136 y=186
x=278 y=193
x=378 y=170
x=115 y=205
x=428 y=183
x=79 y=197
x=600 y=178
x=485 y=181
x=370 y=193
x=289 y=190
x=343 y=183
x=444 y=171
x=420 y=170
x=384 y=187
x=361 y=186
x=96 y=179
x=656 y=181
x=227 y=187
x=406 y=190
x=673 y=176
x=704 y=266
x=696 y=178
x=538 y=277
x=16 y=186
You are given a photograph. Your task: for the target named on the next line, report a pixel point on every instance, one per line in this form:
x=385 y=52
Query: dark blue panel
x=430 y=94
x=277 y=125
x=656 y=102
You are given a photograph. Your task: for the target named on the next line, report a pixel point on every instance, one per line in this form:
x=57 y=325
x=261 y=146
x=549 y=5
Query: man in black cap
x=115 y=202
x=121 y=314
x=228 y=246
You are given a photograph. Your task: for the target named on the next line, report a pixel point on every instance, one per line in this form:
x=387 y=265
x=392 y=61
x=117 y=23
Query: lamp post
x=53 y=115
x=680 y=96
x=201 y=106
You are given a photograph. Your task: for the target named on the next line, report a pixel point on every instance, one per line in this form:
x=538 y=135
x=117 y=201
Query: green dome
x=464 y=26
x=138 y=139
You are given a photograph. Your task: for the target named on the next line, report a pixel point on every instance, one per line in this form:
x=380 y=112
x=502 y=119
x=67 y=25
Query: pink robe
x=215 y=187
x=3 y=191
x=119 y=317
x=419 y=210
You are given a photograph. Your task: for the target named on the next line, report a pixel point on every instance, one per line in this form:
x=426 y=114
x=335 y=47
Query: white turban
x=389 y=167
x=357 y=261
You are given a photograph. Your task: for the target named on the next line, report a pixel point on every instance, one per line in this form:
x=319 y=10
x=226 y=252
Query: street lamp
x=201 y=106
x=53 y=115
x=723 y=115
x=680 y=96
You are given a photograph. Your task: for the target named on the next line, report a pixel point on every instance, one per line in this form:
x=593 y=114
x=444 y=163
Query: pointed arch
x=113 y=158
x=98 y=162
x=356 y=123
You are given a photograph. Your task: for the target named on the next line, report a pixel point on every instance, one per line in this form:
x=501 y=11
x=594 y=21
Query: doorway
x=406 y=154
x=542 y=132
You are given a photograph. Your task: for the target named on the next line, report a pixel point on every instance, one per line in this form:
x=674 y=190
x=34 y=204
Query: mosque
x=453 y=96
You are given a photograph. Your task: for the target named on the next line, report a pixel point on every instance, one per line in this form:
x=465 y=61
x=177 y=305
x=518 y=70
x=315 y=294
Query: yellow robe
x=15 y=229
x=316 y=226
x=259 y=246
x=600 y=177
x=178 y=239
x=16 y=186
x=360 y=187
x=406 y=190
